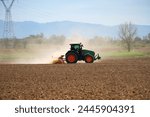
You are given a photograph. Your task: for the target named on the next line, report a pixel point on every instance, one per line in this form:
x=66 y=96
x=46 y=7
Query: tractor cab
x=76 y=47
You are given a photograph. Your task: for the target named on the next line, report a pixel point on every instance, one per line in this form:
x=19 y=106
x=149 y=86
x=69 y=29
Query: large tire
x=71 y=57
x=89 y=59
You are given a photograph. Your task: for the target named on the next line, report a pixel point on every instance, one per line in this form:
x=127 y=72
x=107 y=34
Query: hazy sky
x=107 y=12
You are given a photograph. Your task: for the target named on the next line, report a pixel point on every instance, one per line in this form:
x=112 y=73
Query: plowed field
x=107 y=79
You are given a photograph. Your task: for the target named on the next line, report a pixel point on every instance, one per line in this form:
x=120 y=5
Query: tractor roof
x=75 y=44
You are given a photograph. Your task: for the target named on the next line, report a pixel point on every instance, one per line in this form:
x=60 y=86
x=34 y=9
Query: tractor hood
x=85 y=52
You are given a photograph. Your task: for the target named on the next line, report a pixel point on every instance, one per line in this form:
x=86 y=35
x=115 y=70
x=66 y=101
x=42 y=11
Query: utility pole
x=8 y=23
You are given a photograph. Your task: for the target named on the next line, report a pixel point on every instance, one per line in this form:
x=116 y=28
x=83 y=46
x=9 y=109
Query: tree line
x=38 y=39
x=127 y=36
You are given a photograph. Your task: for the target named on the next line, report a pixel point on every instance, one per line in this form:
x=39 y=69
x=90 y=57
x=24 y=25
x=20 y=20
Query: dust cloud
x=46 y=53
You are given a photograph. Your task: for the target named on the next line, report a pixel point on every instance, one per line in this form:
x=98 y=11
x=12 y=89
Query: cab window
x=76 y=47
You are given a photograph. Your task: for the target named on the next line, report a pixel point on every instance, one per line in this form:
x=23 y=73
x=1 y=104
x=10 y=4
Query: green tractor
x=76 y=53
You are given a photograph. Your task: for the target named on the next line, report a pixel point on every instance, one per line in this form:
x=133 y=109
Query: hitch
x=97 y=57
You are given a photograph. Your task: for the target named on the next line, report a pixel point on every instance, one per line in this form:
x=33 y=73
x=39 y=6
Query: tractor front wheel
x=71 y=58
x=89 y=59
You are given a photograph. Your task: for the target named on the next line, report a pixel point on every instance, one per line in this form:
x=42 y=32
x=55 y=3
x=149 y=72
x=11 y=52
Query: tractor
x=76 y=53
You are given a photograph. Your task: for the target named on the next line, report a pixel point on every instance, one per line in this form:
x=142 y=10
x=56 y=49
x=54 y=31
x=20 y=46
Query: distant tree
x=39 y=38
x=6 y=42
x=35 y=39
x=24 y=42
x=127 y=33
x=15 y=42
x=148 y=36
x=138 y=39
x=56 y=39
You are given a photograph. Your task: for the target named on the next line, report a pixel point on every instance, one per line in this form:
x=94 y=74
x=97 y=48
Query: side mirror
x=81 y=45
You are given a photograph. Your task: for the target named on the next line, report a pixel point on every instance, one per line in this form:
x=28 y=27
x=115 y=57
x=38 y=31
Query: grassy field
x=125 y=54
x=116 y=51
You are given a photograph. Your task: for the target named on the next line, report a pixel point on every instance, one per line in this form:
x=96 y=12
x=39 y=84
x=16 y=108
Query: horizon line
x=74 y=22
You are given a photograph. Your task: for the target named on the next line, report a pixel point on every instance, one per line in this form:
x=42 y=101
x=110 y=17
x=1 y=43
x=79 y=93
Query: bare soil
x=107 y=79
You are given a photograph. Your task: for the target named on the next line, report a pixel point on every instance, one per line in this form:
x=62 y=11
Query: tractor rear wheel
x=71 y=57
x=89 y=59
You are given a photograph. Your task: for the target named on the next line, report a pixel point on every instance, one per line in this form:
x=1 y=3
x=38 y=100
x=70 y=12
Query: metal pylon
x=8 y=23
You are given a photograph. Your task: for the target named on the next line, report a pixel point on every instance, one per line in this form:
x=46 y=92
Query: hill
x=68 y=28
